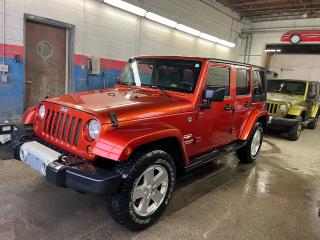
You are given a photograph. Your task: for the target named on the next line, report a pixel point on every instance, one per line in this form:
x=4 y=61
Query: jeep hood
x=284 y=98
x=127 y=105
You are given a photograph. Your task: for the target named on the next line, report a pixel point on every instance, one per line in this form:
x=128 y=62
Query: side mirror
x=212 y=94
x=311 y=95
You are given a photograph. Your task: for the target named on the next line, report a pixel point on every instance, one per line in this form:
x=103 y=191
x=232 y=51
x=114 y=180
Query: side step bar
x=208 y=157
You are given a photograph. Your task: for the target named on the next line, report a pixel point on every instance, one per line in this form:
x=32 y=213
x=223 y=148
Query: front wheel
x=249 y=153
x=146 y=190
x=295 y=131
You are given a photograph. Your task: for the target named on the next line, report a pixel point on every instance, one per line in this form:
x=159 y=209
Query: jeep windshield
x=286 y=87
x=164 y=74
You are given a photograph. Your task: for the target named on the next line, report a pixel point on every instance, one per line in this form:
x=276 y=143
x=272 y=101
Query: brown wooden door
x=45 y=70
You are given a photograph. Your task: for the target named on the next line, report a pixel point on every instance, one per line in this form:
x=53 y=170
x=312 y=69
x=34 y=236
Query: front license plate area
x=37 y=156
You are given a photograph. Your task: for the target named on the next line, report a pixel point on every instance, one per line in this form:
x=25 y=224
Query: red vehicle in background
x=165 y=117
x=298 y=36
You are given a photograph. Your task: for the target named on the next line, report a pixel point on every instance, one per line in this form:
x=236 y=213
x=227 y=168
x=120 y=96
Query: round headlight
x=283 y=107
x=94 y=128
x=42 y=111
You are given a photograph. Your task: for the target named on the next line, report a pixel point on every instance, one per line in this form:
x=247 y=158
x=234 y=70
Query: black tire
x=244 y=154
x=121 y=205
x=295 y=131
x=314 y=123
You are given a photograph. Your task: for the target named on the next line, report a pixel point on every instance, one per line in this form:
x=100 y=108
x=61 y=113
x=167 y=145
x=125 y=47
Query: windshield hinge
x=114 y=119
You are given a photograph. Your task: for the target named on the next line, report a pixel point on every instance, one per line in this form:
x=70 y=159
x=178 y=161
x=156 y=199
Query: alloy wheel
x=256 y=142
x=149 y=190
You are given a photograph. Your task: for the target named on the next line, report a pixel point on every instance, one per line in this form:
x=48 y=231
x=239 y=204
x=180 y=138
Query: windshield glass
x=288 y=87
x=176 y=75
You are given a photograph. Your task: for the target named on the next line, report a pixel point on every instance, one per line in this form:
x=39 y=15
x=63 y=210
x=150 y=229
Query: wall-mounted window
x=44 y=49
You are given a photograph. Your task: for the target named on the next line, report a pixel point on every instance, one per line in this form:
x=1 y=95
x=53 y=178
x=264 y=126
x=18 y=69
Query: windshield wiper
x=158 y=88
x=126 y=84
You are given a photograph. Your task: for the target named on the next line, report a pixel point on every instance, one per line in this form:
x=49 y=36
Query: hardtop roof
x=217 y=60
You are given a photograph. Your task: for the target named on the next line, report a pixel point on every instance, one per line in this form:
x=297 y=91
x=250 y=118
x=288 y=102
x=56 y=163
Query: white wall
x=104 y=31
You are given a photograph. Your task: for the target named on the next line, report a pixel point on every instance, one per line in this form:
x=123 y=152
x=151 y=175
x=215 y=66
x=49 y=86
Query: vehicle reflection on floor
x=222 y=195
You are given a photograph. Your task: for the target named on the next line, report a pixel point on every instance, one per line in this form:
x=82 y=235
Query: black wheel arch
x=170 y=145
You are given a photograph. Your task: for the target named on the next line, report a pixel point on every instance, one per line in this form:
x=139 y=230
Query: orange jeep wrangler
x=165 y=117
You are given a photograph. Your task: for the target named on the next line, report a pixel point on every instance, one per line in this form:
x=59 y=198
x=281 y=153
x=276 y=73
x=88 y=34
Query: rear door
x=243 y=98
x=45 y=71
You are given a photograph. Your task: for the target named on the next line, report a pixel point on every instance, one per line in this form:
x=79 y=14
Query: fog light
x=89 y=150
x=23 y=154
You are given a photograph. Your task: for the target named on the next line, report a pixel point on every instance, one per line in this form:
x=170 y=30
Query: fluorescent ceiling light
x=226 y=43
x=272 y=50
x=127 y=7
x=187 y=29
x=165 y=21
x=209 y=37
x=162 y=20
x=217 y=40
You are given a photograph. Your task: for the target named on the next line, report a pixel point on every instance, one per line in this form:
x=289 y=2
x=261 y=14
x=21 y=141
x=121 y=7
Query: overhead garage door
x=296 y=66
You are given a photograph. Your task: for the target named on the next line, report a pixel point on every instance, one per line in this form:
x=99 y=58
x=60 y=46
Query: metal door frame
x=70 y=32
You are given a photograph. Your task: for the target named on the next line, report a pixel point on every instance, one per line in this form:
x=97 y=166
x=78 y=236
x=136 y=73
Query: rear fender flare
x=119 y=143
x=253 y=118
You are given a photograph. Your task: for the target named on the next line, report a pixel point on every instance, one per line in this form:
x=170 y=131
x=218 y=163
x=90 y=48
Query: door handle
x=228 y=107
x=247 y=104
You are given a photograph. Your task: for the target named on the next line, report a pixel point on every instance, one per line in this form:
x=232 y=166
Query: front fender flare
x=119 y=143
x=296 y=110
x=28 y=116
x=253 y=118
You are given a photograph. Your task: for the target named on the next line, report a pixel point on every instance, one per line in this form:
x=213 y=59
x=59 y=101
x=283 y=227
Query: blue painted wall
x=83 y=81
x=12 y=92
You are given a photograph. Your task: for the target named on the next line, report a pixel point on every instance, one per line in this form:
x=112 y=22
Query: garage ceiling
x=264 y=10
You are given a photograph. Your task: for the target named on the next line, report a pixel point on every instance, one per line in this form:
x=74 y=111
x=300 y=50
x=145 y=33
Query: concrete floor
x=276 y=198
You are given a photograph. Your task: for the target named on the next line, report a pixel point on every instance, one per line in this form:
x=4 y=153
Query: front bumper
x=67 y=171
x=282 y=122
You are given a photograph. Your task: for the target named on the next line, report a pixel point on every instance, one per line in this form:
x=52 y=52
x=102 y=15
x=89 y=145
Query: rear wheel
x=295 y=131
x=146 y=190
x=314 y=123
x=250 y=152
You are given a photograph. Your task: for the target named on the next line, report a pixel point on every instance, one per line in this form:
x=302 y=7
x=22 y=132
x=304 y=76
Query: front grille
x=272 y=107
x=62 y=127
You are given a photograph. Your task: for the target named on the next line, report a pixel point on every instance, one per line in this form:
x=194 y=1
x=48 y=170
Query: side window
x=259 y=82
x=243 y=82
x=219 y=77
x=259 y=85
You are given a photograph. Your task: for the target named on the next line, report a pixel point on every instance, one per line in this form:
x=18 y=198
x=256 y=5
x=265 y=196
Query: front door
x=215 y=125
x=45 y=70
